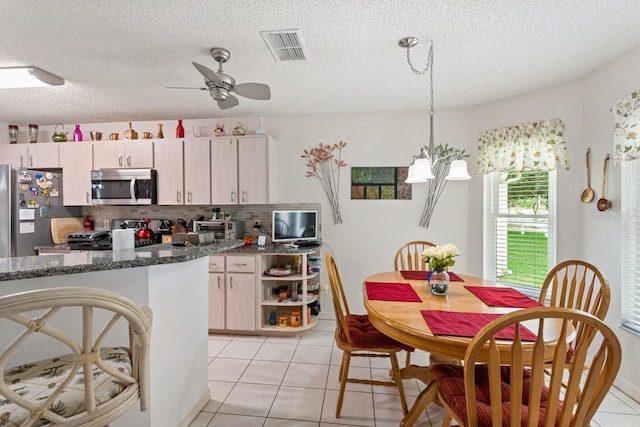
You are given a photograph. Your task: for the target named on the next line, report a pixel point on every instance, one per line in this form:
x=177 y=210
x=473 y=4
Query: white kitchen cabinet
x=130 y=154
x=216 y=292
x=243 y=170
x=183 y=171
x=44 y=155
x=232 y=293
x=76 y=161
x=197 y=172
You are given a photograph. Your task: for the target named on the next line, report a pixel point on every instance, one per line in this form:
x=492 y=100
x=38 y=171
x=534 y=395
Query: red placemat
x=503 y=297
x=463 y=324
x=391 y=292
x=422 y=275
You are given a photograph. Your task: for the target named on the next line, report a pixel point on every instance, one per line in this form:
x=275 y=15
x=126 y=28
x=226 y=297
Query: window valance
x=529 y=146
x=627 y=117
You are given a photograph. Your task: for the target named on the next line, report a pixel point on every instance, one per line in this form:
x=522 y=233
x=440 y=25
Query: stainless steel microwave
x=123 y=187
x=224 y=230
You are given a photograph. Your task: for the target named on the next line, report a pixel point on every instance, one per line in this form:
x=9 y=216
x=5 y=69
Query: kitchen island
x=173 y=282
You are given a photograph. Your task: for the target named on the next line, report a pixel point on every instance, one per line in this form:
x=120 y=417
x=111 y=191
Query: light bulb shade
x=424 y=169
x=413 y=178
x=458 y=171
x=18 y=77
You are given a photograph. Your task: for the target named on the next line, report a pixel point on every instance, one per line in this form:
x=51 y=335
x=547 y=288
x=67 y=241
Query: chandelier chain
x=428 y=67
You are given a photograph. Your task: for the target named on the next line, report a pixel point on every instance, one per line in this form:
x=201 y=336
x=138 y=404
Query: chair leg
x=397 y=376
x=344 y=374
x=408 y=359
x=446 y=422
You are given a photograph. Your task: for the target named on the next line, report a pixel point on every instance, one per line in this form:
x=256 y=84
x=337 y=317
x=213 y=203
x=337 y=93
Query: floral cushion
x=364 y=335
x=35 y=381
x=451 y=384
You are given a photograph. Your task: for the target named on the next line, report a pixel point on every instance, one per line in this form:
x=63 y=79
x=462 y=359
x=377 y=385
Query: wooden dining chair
x=580 y=285
x=357 y=337
x=94 y=383
x=409 y=256
x=510 y=389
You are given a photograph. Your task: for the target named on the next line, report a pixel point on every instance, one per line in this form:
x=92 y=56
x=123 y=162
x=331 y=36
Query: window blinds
x=630 y=245
x=519 y=234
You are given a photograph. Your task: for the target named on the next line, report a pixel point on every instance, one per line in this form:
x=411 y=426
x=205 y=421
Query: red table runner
x=503 y=297
x=463 y=324
x=422 y=275
x=391 y=292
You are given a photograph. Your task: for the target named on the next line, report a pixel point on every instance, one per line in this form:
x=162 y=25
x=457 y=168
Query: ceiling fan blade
x=231 y=101
x=183 y=87
x=208 y=73
x=253 y=91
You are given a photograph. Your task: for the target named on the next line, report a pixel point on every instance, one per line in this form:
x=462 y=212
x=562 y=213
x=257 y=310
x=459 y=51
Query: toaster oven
x=223 y=230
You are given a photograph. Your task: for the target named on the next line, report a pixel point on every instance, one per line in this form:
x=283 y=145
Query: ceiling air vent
x=285 y=45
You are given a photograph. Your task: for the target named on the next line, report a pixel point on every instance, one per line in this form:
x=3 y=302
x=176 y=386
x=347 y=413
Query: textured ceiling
x=117 y=57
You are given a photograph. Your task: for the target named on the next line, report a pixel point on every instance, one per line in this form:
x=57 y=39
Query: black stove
x=105 y=245
x=97 y=240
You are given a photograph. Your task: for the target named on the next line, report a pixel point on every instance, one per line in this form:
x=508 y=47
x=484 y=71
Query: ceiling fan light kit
x=222 y=86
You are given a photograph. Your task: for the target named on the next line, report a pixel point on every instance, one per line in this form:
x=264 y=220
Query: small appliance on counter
x=223 y=230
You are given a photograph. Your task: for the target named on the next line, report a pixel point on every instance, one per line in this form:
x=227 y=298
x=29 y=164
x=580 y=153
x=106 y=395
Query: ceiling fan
x=221 y=86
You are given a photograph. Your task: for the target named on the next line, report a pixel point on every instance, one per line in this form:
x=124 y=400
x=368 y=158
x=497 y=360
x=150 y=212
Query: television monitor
x=294 y=225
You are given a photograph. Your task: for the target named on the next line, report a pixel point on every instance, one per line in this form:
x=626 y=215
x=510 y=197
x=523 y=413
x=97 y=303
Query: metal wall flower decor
x=324 y=162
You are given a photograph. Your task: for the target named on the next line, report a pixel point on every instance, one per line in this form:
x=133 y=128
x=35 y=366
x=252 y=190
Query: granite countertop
x=56 y=264
x=87 y=261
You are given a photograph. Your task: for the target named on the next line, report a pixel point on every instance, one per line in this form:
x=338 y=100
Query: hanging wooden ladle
x=587 y=194
x=603 y=203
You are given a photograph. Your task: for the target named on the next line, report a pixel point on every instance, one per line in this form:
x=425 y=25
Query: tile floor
x=293 y=381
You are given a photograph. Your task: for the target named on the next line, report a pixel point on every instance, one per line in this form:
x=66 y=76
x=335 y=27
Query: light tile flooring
x=293 y=381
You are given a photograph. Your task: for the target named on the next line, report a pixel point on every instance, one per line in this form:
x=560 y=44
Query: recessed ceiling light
x=17 y=77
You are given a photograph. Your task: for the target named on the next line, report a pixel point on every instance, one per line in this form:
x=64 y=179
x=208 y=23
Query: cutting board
x=62 y=227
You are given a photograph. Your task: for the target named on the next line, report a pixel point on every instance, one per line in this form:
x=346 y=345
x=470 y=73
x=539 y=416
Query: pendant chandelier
x=434 y=164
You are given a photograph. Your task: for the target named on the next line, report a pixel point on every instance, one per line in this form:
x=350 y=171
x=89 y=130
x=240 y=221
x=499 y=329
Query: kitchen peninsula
x=173 y=281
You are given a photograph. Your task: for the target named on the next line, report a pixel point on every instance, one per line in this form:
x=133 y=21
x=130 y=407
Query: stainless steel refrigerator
x=29 y=199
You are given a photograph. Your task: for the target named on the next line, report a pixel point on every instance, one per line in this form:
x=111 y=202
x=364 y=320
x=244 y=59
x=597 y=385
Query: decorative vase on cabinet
x=160 y=135
x=77 y=134
x=180 y=130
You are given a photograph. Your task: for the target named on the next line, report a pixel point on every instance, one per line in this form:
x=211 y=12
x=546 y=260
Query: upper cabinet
x=242 y=170
x=43 y=155
x=76 y=161
x=183 y=171
x=123 y=154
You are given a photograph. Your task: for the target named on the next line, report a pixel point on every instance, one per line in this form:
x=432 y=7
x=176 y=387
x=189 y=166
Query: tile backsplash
x=247 y=214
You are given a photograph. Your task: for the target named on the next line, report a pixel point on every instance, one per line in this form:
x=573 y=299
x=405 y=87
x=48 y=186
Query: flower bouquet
x=439 y=259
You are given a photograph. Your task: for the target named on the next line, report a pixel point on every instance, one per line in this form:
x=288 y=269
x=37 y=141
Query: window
x=519 y=227
x=630 y=245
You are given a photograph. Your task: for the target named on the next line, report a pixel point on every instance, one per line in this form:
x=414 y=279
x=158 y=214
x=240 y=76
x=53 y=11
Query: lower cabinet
x=265 y=293
x=232 y=292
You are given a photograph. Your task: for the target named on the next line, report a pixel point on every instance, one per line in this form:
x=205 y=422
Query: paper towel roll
x=123 y=239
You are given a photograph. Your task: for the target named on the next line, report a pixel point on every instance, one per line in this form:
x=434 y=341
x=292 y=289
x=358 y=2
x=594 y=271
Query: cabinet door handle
x=30 y=161
x=21 y=161
x=219 y=282
x=87 y=197
x=231 y=282
x=178 y=197
x=240 y=265
x=189 y=197
x=128 y=160
x=244 y=197
x=233 y=196
x=120 y=160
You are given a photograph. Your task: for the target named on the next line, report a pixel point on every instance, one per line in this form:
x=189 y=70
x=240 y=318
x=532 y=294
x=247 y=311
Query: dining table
x=401 y=306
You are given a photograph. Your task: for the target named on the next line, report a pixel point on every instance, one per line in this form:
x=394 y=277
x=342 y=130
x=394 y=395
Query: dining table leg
x=426 y=396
